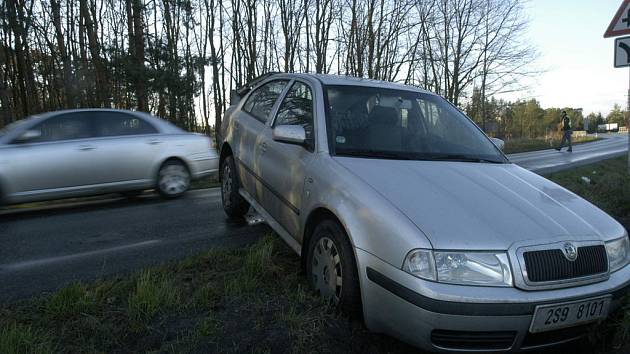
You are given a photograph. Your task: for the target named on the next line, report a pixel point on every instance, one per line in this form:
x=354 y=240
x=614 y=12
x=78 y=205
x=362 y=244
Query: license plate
x=568 y=314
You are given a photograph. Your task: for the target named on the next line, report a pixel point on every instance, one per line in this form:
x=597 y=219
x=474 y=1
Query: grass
x=513 y=146
x=607 y=185
x=153 y=292
x=19 y=339
x=246 y=300
x=250 y=299
x=69 y=302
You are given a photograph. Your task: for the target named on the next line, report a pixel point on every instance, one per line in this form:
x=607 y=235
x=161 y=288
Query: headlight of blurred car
x=464 y=268
x=618 y=253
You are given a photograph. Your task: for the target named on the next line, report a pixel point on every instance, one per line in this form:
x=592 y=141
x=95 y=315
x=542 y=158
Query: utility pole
x=628 y=120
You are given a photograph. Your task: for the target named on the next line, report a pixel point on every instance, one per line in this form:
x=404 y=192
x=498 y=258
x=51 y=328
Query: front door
x=283 y=166
x=61 y=161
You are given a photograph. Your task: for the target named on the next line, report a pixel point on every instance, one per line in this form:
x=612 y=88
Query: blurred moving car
x=95 y=151
x=405 y=212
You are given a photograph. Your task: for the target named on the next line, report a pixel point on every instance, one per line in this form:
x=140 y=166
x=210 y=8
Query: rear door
x=283 y=166
x=250 y=123
x=59 y=161
x=129 y=147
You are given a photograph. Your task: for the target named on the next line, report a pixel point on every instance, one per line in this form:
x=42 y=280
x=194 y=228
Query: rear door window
x=261 y=101
x=121 y=124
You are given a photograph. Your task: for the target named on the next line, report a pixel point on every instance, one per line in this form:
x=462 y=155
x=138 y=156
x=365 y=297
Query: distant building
x=608 y=127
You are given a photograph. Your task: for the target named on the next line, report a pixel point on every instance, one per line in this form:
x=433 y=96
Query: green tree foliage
x=527 y=119
x=617 y=115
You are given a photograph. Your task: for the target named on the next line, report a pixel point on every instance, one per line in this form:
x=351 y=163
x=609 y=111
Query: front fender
x=372 y=223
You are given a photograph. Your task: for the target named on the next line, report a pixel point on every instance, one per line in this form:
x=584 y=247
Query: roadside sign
x=622 y=52
x=620 y=24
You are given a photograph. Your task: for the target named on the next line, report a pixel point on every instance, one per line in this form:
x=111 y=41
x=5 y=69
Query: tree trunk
x=138 y=43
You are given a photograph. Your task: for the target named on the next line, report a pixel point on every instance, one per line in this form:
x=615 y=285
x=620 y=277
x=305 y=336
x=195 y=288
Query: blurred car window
x=120 y=124
x=261 y=101
x=67 y=126
x=297 y=108
x=12 y=127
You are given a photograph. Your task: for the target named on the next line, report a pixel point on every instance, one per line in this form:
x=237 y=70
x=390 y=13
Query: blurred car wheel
x=173 y=179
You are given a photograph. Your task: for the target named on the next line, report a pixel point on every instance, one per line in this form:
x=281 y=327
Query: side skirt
x=295 y=246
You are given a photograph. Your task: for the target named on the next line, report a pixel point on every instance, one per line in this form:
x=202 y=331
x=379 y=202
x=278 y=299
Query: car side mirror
x=498 y=142
x=290 y=134
x=29 y=135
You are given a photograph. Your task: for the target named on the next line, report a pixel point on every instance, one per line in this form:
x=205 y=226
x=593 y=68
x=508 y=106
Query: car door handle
x=154 y=142
x=86 y=147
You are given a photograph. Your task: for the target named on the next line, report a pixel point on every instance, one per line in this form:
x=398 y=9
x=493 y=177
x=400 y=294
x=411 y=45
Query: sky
x=576 y=59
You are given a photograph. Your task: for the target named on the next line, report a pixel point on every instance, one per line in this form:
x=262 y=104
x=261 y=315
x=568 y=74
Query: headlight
x=420 y=263
x=618 y=253
x=473 y=268
x=464 y=268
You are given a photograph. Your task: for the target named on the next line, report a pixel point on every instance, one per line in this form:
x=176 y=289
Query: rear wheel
x=331 y=268
x=234 y=204
x=173 y=179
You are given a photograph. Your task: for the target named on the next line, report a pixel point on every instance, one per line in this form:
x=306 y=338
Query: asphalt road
x=42 y=249
x=548 y=161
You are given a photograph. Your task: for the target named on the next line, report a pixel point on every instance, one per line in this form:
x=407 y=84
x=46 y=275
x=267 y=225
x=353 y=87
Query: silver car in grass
x=404 y=211
x=95 y=151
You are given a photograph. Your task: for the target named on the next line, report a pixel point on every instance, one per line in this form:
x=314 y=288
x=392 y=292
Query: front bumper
x=203 y=164
x=444 y=317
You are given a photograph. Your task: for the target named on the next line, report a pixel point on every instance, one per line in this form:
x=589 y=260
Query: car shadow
x=77 y=205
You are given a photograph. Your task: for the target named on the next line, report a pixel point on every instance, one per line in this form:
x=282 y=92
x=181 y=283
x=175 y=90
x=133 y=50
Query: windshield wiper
x=463 y=158
x=392 y=155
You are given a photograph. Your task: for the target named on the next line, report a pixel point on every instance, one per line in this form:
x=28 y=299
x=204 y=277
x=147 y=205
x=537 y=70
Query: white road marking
x=61 y=259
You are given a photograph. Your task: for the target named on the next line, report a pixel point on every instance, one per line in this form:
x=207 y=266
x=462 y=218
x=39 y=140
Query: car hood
x=482 y=206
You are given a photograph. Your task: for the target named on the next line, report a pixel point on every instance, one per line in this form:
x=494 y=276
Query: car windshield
x=400 y=124
x=11 y=127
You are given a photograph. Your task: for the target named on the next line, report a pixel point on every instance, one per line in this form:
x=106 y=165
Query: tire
x=173 y=179
x=234 y=205
x=328 y=241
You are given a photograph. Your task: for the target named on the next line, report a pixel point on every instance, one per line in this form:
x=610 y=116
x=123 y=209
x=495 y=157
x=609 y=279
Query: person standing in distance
x=567 y=131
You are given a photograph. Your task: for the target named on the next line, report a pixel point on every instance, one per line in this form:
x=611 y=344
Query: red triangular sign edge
x=609 y=32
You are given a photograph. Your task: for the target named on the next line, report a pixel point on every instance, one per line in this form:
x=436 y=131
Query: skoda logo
x=570 y=251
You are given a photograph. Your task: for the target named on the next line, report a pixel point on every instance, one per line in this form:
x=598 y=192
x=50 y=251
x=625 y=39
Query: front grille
x=464 y=340
x=552 y=265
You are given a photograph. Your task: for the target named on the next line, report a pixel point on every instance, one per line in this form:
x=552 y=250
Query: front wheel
x=331 y=267
x=234 y=205
x=173 y=179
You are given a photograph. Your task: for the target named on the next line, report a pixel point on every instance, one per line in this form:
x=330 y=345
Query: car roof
x=340 y=80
